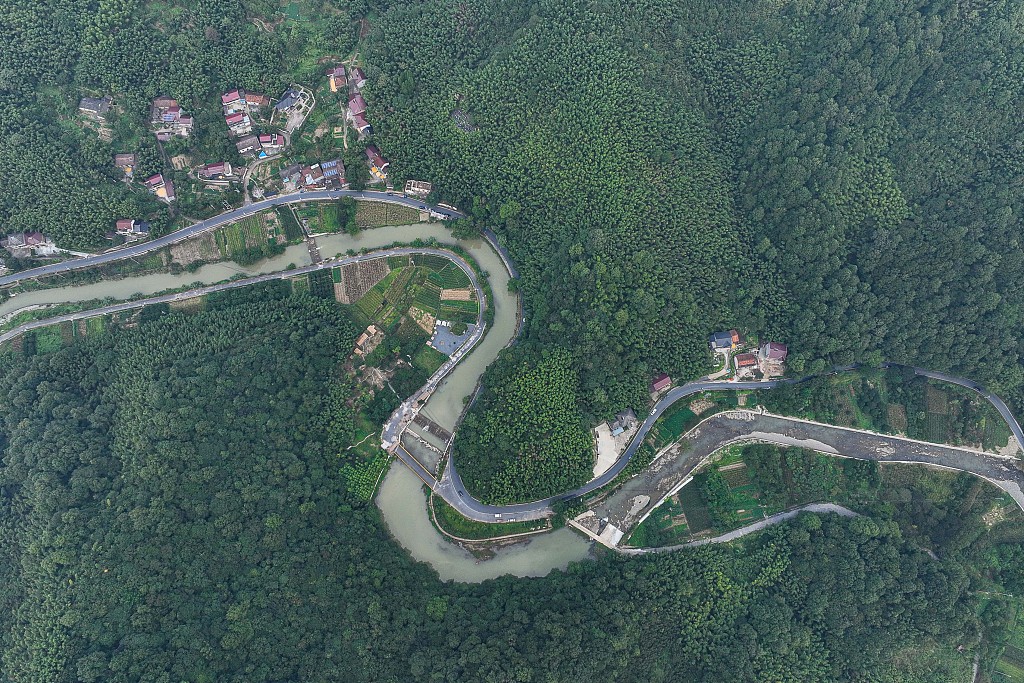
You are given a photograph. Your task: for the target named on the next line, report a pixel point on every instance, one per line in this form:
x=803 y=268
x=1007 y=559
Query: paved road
x=778 y=517
x=201 y=291
x=453 y=490
x=216 y=222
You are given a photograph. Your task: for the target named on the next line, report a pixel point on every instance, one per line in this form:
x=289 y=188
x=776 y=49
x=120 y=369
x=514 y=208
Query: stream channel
x=400 y=498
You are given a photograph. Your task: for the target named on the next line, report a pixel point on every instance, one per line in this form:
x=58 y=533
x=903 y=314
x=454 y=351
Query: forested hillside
x=57 y=177
x=171 y=509
x=841 y=177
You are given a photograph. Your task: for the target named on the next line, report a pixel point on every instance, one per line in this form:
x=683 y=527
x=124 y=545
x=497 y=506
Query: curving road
x=451 y=488
x=450 y=485
x=218 y=221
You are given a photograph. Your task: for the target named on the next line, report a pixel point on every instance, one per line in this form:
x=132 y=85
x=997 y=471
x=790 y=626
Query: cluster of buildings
x=163 y=189
x=239 y=109
x=354 y=79
x=326 y=175
x=130 y=228
x=27 y=244
x=261 y=146
x=169 y=120
x=754 y=363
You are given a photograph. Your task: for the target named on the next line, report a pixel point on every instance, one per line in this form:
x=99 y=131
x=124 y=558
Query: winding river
x=401 y=499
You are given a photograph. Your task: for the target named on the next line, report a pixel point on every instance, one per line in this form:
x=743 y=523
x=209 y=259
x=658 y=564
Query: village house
x=356 y=106
x=129 y=226
x=623 y=421
x=22 y=244
x=661 y=382
x=256 y=101
x=272 y=143
x=774 y=351
x=357 y=77
x=336 y=78
x=290 y=175
x=721 y=341
x=289 y=99
x=378 y=164
x=312 y=177
x=334 y=173
x=238 y=123
x=747 y=366
x=216 y=172
x=95 y=108
x=161 y=188
x=125 y=162
x=248 y=145
x=169 y=120
x=368 y=341
x=361 y=125
x=418 y=188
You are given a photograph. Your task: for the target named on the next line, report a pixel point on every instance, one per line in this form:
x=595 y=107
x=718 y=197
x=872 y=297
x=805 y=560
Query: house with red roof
x=231 y=98
x=745 y=360
x=357 y=77
x=220 y=170
x=336 y=78
x=361 y=125
x=356 y=105
x=660 y=383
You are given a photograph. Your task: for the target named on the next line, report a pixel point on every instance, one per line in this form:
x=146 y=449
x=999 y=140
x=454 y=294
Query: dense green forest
x=658 y=169
x=525 y=442
x=844 y=178
x=172 y=508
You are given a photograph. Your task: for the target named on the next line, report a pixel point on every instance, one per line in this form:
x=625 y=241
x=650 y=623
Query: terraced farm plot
x=370 y=304
x=1011 y=665
x=450 y=277
x=698 y=517
x=379 y=214
x=356 y=279
x=428 y=297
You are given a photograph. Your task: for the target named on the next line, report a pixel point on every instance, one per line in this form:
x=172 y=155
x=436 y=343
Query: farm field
x=682 y=416
x=380 y=214
x=893 y=402
x=251 y=239
x=1011 y=664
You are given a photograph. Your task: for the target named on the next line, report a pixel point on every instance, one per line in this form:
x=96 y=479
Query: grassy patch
x=429 y=359
x=48 y=339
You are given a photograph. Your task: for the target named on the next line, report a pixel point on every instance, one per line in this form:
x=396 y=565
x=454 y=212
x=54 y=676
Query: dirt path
x=820 y=508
